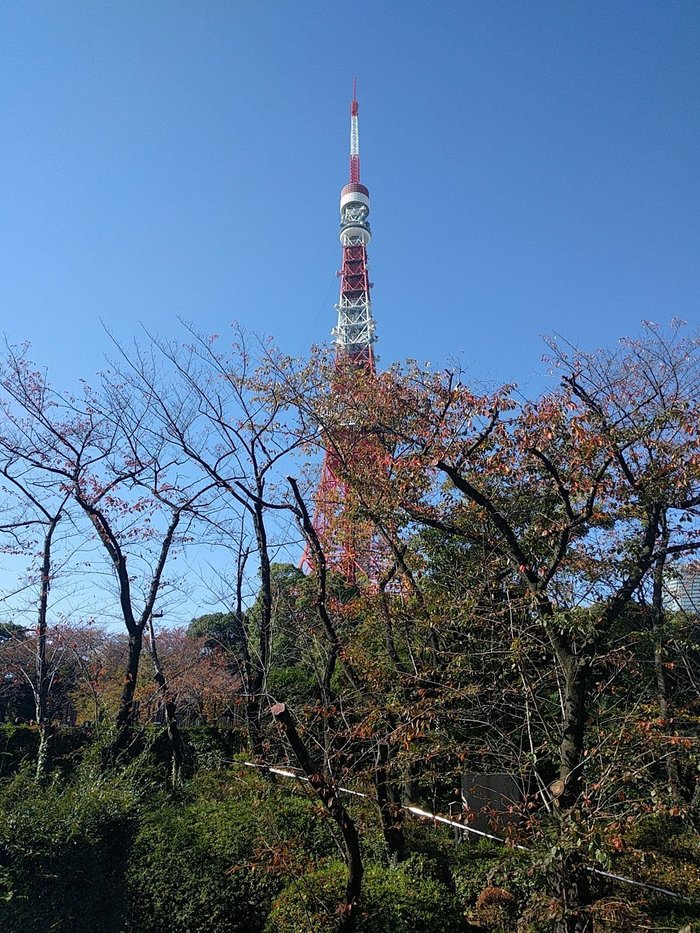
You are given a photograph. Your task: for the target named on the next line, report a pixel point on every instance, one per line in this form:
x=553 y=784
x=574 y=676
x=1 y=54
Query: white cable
x=427 y=815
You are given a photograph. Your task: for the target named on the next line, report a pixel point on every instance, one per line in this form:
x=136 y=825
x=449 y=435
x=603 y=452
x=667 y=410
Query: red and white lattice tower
x=354 y=333
x=348 y=544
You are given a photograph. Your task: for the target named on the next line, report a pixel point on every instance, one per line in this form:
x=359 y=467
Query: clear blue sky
x=533 y=168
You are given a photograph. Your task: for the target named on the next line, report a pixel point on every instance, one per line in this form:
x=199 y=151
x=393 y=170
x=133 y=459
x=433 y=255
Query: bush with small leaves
x=212 y=747
x=190 y=871
x=618 y=915
x=393 y=901
x=63 y=855
x=298 y=824
x=477 y=866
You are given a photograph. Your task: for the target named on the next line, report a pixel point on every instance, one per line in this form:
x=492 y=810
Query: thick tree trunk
x=126 y=702
x=125 y=713
x=571 y=884
x=576 y=676
x=329 y=795
x=572 y=889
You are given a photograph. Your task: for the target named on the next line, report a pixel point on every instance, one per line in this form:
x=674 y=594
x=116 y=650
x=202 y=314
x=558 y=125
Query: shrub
x=299 y=826
x=662 y=851
x=296 y=684
x=190 y=871
x=497 y=909
x=472 y=868
x=487 y=864
x=19 y=744
x=667 y=871
x=393 y=901
x=212 y=747
x=615 y=915
x=540 y=915
x=63 y=853
x=657 y=831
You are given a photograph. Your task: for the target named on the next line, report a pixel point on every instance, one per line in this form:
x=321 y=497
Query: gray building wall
x=682 y=591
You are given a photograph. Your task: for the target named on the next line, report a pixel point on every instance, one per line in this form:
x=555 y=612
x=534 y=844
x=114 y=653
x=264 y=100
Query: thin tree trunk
x=254 y=726
x=41 y=689
x=252 y=706
x=42 y=679
x=307 y=528
x=329 y=795
x=257 y=666
x=177 y=747
x=658 y=620
x=390 y=814
x=42 y=757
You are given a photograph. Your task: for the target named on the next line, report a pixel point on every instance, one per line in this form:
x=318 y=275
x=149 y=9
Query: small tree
x=567 y=493
x=214 y=410
x=102 y=451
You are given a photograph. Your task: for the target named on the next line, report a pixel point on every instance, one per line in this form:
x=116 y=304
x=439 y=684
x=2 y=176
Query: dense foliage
x=234 y=852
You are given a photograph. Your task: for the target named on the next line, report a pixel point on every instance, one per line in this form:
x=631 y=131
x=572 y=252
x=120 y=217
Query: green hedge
x=63 y=855
x=19 y=744
x=190 y=871
x=394 y=900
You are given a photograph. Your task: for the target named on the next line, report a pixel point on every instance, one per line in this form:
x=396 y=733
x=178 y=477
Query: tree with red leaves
x=578 y=495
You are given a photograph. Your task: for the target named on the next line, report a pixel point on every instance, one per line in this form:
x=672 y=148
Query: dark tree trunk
x=571 y=748
x=255 y=736
x=329 y=795
x=126 y=702
x=125 y=714
x=411 y=784
x=572 y=889
x=257 y=664
x=389 y=628
x=177 y=746
x=391 y=814
x=252 y=706
x=571 y=883
x=321 y=573
x=41 y=690
x=658 y=621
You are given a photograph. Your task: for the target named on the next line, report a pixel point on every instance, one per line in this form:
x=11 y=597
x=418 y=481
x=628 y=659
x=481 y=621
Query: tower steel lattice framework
x=349 y=544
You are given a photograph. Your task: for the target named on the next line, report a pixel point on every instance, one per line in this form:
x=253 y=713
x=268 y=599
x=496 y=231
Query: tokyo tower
x=349 y=545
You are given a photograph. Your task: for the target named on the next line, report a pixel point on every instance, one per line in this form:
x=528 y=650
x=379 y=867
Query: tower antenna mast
x=354 y=137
